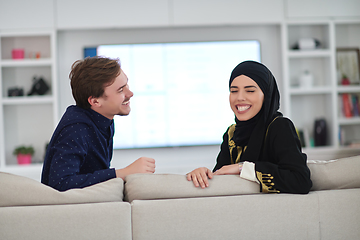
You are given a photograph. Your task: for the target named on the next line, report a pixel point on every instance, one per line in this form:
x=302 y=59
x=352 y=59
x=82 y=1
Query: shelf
x=310 y=91
x=309 y=53
x=305 y=104
x=27 y=100
x=19 y=112
x=349 y=121
x=349 y=89
x=26 y=62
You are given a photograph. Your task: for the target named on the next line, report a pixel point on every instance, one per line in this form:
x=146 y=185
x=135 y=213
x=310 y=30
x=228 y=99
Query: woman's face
x=246 y=98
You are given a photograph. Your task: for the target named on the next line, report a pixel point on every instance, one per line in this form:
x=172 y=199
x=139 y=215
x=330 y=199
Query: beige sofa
x=167 y=206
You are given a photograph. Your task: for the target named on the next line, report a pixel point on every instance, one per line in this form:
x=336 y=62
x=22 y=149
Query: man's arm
x=141 y=165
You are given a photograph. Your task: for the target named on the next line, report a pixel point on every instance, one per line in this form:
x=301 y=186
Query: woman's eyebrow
x=251 y=86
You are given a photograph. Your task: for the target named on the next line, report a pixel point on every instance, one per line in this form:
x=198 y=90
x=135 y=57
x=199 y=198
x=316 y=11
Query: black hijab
x=251 y=133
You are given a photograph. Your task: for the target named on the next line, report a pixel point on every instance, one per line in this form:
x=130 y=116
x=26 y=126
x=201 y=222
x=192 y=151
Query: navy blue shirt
x=80 y=150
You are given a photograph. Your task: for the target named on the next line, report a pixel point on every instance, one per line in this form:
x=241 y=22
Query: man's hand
x=141 y=165
x=200 y=177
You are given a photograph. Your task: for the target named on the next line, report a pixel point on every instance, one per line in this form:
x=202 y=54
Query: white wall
x=175 y=160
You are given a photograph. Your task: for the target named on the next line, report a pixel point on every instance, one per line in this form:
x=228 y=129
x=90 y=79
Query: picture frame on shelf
x=348 y=66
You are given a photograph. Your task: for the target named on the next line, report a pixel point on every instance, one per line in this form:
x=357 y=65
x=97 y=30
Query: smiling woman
x=262 y=146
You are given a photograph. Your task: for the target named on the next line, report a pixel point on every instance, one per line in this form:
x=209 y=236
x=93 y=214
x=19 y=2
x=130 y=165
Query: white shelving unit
x=322 y=99
x=27 y=120
x=347 y=35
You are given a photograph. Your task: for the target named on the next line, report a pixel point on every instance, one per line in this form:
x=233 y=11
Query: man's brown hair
x=89 y=77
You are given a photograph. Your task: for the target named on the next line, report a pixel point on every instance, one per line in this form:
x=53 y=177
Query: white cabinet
x=322 y=99
x=27 y=120
x=322 y=8
x=84 y=14
x=205 y=12
x=26 y=14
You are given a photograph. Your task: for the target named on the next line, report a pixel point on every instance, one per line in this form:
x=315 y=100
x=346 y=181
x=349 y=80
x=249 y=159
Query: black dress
x=281 y=166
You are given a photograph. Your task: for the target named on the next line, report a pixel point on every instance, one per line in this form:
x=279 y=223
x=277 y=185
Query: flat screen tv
x=180 y=91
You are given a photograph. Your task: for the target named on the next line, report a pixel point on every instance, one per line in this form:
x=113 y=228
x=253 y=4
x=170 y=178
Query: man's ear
x=94 y=102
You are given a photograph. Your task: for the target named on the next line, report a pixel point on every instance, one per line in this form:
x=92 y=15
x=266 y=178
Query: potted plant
x=345 y=80
x=24 y=154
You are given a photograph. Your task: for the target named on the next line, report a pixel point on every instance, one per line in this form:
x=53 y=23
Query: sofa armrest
x=22 y=191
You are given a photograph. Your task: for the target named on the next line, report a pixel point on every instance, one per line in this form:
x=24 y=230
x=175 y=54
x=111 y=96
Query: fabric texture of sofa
x=167 y=206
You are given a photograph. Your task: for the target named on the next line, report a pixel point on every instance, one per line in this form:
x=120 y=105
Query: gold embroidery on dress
x=267 y=130
x=266 y=182
x=232 y=145
x=239 y=151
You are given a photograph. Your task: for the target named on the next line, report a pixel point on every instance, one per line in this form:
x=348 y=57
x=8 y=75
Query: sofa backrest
x=167 y=186
x=343 y=173
x=16 y=190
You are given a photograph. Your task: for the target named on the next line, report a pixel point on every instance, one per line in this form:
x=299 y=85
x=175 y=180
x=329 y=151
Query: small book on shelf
x=355 y=105
x=347 y=105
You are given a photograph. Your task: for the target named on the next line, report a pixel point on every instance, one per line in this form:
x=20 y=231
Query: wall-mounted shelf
x=309 y=53
x=26 y=63
x=348 y=89
x=310 y=91
x=28 y=100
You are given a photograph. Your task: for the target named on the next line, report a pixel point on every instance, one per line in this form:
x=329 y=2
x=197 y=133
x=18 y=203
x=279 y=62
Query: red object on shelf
x=347 y=105
x=24 y=158
x=17 y=53
x=345 y=81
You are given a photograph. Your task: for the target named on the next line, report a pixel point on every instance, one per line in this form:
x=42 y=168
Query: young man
x=81 y=147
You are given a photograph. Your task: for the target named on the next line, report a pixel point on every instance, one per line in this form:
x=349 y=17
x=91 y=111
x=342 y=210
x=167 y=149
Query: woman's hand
x=200 y=177
x=228 y=170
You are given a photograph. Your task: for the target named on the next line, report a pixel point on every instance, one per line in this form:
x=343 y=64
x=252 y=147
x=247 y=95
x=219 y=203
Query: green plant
x=24 y=150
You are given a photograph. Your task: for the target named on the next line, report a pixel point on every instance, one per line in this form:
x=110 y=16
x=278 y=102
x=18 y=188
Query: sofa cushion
x=265 y=216
x=92 y=221
x=343 y=173
x=22 y=191
x=167 y=186
x=339 y=213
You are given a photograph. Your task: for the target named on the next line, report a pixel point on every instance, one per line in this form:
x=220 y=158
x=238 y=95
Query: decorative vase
x=306 y=80
x=320 y=133
x=24 y=158
x=17 y=53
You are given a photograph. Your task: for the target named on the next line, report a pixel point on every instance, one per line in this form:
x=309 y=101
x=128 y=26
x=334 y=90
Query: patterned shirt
x=80 y=150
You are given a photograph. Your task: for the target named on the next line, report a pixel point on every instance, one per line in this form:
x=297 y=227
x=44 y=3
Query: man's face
x=116 y=98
